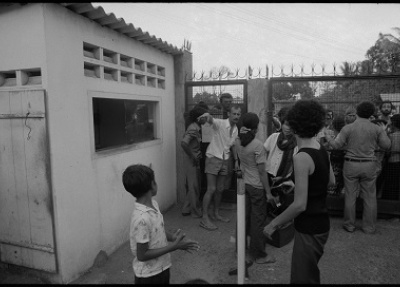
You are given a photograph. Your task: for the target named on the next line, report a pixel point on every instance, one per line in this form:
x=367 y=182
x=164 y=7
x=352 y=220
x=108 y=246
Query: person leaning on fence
x=313 y=173
x=257 y=190
x=391 y=183
x=148 y=238
x=359 y=170
x=337 y=158
x=190 y=144
x=327 y=129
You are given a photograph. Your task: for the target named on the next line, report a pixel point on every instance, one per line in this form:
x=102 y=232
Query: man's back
x=362 y=138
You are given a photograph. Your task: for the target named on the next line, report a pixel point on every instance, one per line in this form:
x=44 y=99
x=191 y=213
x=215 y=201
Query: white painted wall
x=92 y=209
x=22 y=38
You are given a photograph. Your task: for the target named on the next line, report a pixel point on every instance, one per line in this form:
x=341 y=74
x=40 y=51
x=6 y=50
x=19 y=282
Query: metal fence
x=341 y=94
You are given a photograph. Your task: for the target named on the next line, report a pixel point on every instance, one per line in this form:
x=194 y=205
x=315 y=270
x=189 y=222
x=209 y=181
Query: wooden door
x=26 y=206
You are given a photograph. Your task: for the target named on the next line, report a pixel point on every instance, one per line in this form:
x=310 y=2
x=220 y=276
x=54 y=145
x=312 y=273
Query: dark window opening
x=120 y=122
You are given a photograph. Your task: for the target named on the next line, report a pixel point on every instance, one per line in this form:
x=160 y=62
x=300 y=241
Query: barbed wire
x=314 y=70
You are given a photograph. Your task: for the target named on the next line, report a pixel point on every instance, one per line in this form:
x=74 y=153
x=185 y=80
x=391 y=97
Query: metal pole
x=241 y=234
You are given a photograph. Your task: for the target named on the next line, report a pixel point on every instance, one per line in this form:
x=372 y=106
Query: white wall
x=92 y=209
x=22 y=38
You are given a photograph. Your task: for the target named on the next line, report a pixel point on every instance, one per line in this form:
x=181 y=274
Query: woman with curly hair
x=313 y=173
x=257 y=190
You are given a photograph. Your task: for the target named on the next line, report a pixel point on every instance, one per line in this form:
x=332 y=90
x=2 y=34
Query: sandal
x=208 y=227
x=265 y=260
x=223 y=219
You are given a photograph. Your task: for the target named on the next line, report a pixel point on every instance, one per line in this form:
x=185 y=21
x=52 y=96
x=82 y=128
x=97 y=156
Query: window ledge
x=125 y=148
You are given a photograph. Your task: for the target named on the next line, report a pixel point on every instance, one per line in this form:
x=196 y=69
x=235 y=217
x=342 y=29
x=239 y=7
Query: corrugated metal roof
x=98 y=15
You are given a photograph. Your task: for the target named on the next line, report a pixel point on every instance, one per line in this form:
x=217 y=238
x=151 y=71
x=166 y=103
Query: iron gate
x=336 y=93
x=209 y=92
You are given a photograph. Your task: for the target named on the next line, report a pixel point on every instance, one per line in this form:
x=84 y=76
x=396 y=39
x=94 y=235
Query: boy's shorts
x=160 y=278
x=216 y=166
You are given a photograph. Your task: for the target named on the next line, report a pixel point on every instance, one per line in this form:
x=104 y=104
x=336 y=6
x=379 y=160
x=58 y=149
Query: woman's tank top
x=315 y=219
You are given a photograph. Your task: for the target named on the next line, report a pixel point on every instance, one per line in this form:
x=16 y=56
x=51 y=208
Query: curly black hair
x=306 y=118
x=365 y=109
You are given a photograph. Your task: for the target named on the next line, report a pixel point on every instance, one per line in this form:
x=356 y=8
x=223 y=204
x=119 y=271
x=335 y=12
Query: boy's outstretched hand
x=187 y=245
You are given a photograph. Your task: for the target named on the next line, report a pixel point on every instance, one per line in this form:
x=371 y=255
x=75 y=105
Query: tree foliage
x=210 y=99
x=382 y=58
x=290 y=90
x=384 y=55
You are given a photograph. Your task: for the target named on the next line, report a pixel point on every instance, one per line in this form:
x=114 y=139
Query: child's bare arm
x=145 y=254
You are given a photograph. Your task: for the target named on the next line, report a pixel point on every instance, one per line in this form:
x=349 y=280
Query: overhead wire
x=256 y=41
x=301 y=28
x=302 y=36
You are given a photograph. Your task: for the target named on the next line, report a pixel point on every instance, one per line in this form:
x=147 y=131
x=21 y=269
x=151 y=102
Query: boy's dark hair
x=386 y=102
x=306 y=118
x=395 y=119
x=137 y=179
x=250 y=121
x=365 y=109
x=225 y=95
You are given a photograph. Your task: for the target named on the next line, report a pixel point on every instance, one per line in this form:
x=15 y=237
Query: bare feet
x=208 y=225
x=265 y=260
x=221 y=218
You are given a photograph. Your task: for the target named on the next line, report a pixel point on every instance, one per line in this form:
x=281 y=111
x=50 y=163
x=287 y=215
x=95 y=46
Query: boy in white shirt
x=148 y=238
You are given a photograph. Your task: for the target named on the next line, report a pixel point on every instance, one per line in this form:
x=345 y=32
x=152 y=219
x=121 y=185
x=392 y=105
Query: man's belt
x=359 y=160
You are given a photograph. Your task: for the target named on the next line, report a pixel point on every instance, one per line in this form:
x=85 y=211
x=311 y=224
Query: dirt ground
x=350 y=258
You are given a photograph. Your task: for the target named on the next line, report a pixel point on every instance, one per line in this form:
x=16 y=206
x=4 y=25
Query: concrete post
x=183 y=66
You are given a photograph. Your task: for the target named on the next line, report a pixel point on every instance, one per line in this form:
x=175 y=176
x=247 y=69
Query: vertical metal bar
x=241 y=238
x=269 y=110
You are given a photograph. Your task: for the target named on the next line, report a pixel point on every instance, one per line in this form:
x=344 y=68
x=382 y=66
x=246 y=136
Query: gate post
x=257 y=103
x=183 y=67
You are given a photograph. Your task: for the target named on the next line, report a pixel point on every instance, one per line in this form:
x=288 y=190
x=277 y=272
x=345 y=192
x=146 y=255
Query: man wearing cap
x=191 y=145
x=359 y=171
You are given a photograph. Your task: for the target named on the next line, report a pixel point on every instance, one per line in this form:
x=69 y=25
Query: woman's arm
x=264 y=180
x=303 y=166
x=332 y=179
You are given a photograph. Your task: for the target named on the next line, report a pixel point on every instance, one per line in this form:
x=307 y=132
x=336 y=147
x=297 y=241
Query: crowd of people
x=311 y=153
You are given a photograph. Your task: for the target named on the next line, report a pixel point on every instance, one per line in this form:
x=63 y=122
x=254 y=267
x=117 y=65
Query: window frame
x=126 y=147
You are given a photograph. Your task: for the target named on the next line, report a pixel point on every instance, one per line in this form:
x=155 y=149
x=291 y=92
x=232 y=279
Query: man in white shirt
x=224 y=134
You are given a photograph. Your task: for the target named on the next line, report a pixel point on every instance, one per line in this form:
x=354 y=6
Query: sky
x=237 y=35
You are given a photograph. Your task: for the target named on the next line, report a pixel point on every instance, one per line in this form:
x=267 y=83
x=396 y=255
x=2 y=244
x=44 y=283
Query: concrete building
x=82 y=96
